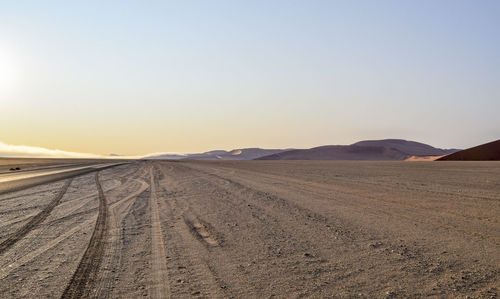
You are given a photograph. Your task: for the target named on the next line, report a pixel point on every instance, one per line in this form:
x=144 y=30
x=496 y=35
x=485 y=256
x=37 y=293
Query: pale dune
x=423 y=158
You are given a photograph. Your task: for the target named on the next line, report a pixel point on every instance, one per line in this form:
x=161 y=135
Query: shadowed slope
x=410 y=147
x=375 y=150
x=485 y=152
x=236 y=154
x=340 y=152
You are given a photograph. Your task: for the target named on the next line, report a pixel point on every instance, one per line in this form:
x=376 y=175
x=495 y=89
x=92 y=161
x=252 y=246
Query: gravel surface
x=256 y=229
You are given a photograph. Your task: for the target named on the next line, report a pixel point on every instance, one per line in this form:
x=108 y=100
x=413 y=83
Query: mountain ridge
x=378 y=150
x=384 y=149
x=235 y=154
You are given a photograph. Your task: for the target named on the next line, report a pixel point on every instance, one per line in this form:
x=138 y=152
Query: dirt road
x=18 y=180
x=256 y=229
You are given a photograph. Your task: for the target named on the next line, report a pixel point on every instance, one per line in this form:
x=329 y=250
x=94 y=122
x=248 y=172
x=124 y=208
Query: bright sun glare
x=7 y=72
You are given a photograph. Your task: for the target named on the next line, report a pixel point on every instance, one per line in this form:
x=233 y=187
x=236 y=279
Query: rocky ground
x=256 y=229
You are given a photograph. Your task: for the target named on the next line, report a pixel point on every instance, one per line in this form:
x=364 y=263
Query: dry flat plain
x=256 y=229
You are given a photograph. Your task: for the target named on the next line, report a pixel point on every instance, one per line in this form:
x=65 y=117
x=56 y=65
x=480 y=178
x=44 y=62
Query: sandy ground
x=31 y=172
x=423 y=158
x=256 y=229
x=30 y=164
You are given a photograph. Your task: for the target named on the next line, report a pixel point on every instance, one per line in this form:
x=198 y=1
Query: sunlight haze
x=250 y=149
x=133 y=78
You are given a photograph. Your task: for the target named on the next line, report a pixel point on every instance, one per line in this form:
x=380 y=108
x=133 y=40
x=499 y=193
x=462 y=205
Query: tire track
x=412 y=257
x=20 y=184
x=190 y=240
x=352 y=192
x=37 y=219
x=201 y=230
x=160 y=286
x=18 y=219
x=33 y=254
x=270 y=227
x=113 y=258
x=81 y=284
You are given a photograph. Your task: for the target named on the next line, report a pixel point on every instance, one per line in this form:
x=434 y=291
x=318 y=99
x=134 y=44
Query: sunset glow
x=8 y=73
x=186 y=77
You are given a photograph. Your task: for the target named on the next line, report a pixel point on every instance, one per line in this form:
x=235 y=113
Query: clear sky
x=134 y=77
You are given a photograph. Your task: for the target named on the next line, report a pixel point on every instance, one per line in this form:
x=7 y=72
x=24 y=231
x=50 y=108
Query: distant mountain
x=485 y=152
x=339 y=152
x=164 y=157
x=236 y=154
x=411 y=148
x=381 y=150
x=387 y=149
x=211 y=155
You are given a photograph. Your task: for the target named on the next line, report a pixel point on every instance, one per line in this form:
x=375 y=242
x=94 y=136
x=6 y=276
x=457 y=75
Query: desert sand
x=423 y=158
x=485 y=152
x=256 y=229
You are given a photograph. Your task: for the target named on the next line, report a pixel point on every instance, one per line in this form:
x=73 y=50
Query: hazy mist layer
x=134 y=78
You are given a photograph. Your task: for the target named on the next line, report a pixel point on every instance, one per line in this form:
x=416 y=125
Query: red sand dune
x=485 y=152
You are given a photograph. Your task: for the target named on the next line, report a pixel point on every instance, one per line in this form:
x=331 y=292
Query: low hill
x=410 y=147
x=386 y=149
x=485 y=152
x=340 y=152
x=382 y=150
x=236 y=154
